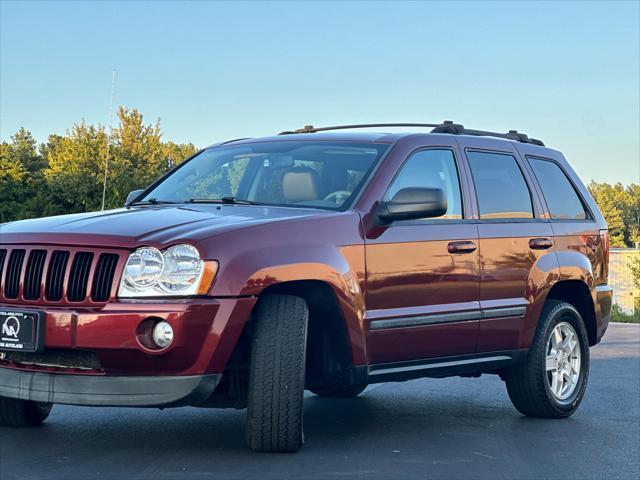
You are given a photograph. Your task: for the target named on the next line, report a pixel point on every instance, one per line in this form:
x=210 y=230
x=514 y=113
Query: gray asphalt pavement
x=449 y=428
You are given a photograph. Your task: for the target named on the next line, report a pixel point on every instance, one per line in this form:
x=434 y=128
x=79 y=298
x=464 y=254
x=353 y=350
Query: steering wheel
x=333 y=196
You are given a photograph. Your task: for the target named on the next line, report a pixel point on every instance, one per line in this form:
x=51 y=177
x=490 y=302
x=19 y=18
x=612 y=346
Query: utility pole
x=106 y=156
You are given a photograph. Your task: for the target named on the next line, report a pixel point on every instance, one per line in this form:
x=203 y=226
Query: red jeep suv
x=315 y=259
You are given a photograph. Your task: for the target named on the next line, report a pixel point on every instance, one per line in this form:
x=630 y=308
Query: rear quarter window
x=561 y=196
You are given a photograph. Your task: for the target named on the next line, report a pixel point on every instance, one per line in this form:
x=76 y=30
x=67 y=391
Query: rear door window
x=562 y=199
x=500 y=186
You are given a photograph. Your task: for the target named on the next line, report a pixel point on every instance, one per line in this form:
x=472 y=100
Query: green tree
x=174 y=154
x=136 y=157
x=24 y=149
x=75 y=168
x=14 y=188
x=631 y=214
x=66 y=173
x=23 y=189
x=611 y=201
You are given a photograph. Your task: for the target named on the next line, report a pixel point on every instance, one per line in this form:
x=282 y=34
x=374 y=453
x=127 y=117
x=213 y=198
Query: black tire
x=348 y=391
x=22 y=413
x=277 y=374
x=527 y=383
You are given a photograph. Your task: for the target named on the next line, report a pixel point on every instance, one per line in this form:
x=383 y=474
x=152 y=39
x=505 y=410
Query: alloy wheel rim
x=563 y=361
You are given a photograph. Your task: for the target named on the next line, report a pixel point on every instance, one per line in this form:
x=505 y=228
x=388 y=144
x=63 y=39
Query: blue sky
x=567 y=73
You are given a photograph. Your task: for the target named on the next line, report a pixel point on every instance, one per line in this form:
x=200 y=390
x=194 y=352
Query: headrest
x=301 y=184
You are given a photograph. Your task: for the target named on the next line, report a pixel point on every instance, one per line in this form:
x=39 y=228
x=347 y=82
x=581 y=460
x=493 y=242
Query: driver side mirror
x=132 y=196
x=411 y=203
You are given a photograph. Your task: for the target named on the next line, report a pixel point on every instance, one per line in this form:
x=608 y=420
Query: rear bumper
x=604 y=302
x=106 y=391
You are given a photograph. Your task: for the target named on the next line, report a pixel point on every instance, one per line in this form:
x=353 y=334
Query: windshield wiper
x=155 y=201
x=227 y=200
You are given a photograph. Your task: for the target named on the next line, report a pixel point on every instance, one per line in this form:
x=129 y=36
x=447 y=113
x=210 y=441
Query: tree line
x=620 y=206
x=65 y=174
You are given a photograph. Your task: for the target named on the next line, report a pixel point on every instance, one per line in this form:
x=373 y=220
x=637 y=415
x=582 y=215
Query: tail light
x=604 y=240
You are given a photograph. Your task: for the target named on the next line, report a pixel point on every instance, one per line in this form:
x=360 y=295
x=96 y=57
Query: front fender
x=341 y=268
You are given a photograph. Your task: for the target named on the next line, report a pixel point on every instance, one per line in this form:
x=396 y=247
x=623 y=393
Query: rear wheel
x=23 y=413
x=552 y=380
x=277 y=374
x=348 y=391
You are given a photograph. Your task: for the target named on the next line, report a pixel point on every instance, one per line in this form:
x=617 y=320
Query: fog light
x=162 y=334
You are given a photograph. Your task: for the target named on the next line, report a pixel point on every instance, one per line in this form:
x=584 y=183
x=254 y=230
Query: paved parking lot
x=450 y=428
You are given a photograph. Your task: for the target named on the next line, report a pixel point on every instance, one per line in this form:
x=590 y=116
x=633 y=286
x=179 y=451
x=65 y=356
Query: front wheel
x=277 y=374
x=552 y=380
x=23 y=413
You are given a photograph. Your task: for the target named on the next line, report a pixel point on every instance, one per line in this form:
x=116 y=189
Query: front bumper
x=102 y=391
x=205 y=332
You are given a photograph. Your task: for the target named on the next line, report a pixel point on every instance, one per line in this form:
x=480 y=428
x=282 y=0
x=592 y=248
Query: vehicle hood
x=146 y=225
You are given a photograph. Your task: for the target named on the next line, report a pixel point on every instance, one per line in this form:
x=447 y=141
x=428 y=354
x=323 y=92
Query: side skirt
x=461 y=365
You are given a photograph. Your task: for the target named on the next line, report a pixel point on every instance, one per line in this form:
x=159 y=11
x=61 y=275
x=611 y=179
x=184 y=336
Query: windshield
x=287 y=173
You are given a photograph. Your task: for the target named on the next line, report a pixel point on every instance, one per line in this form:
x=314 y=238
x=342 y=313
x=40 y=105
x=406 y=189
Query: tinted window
x=435 y=169
x=501 y=189
x=561 y=197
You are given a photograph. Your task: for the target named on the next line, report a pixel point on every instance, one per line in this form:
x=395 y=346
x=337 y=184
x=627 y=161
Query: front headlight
x=143 y=268
x=177 y=271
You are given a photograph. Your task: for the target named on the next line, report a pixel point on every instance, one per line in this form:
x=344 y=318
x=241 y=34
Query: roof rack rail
x=312 y=129
x=445 y=127
x=455 y=129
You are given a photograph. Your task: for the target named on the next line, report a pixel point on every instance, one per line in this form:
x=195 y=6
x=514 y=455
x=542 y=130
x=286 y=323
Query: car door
x=514 y=236
x=422 y=295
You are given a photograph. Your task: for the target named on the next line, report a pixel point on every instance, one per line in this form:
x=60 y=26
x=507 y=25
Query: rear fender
x=548 y=271
x=544 y=273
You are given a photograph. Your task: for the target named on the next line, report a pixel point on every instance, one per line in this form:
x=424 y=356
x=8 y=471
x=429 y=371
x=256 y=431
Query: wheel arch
x=331 y=353
x=336 y=280
x=566 y=276
x=579 y=294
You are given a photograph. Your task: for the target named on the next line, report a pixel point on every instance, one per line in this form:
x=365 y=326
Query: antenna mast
x=106 y=157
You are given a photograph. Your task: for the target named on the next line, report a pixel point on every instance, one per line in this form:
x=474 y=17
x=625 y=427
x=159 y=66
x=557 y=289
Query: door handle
x=540 y=243
x=461 y=247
